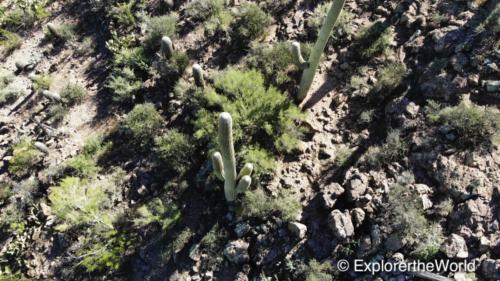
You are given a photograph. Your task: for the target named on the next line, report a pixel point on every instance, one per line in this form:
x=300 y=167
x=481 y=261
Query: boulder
x=490 y=269
x=455 y=247
x=237 y=251
x=330 y=193
x=299 y=230
x=341 y=224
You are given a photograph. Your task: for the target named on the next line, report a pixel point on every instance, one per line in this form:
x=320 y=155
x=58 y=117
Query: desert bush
x=408 y=220
x=394 y=149
x=9 y=91
x=73 y=94
x=219 y=23
x=86 y=47
x=104 y=252
x=174 y=149
x=42 y=82
x=171 y=69
x=24 y=14
x=60 y=33
x=274 y=6
x=143 y=123
x=181 y=240
x=56 y=112
x=263 y=118
x=276 y=61
x=82 y=166
x=343 y=28
x=379 y=37
x=250 y=23
x=204 y=9
x=133 y=58
x=317 y=271
x=5 y=191
x=476 y=126
x=123 y=84
x=9 y=41
x=390 y=76
x=122 y=13
x=256 y=203
x=158 y=27
x=366 y=117
x=24 y=157
x=156 y=212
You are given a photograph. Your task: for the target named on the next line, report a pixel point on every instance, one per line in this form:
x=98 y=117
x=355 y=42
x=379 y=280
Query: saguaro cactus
x=224 y=162
x=198 y=76
x=299 y=60
x=166 y=47
x=319 y=46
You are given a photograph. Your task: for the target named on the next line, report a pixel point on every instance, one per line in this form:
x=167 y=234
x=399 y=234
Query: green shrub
x=181 y=240
x=407 y=218
x=390 y=76
x=219 y=23
x=257 y=204
x=158 y=27
x=9 y=41
x=274 y=6
x=250 y=23
x=73 y=94
x=123 y=84
x=104 y=253
x=24 y=157
x=122 y=13
x=343 y=27
x=394 y=149
x=317 y=271
x=42 y=82
x=379 y=37
x=174 y=149
x=171 y=69
x=62 y=33
x=86 y=47
x=366 y=117
x=9 y=91
x=476 y=126
x=156 y=212
x=82 y=166
x=204 y=9
x=134 y=58
x=276 y=61
x=5 y=191
x=143 y=123
x=57 y=111
x=263 y=118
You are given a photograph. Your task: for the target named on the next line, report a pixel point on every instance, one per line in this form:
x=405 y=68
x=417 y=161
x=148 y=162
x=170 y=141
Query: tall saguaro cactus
x=319 y=46
x=224 y=162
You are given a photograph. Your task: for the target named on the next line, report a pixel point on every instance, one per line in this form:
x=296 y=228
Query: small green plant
x=9 y=41
x=170 y=69
x=9 y=90
x=82 y=166
x=156 y=212
x=174 y=149
x=86 y=47
x=277 y=61
x=379 y=37
x=343 y=28
x=24 y=157
x=124 y=84
x=157 y=27
x=104 y=253
x=263 y=117
x=274 y=6
x=204 y=9
x=224 y=163
x=256 y=203
x=313 y=60
x=250 y=23
x=477 y=127
x=408 y=220
x=73 y=94
x=181 y=240
x=134 y=58
x=60 y=33
x=366 y=117
x=122 y=13
x=342 y=154
x=42 y=82
x=317 y=271
x=394 y=149
x=390 y=76
x=143 y=123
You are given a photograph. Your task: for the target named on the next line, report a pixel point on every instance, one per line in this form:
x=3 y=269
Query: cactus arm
x=198 y=76
x=243 y=184
x=319 y=46
x=218 y=165
x=297 y=54
x=166 y=47
x=227 y=151
x=246 y=170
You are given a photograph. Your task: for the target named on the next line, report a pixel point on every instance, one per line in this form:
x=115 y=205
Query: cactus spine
x=166 y=48
x=319 y=46
x=198 y=76
x=224 y=162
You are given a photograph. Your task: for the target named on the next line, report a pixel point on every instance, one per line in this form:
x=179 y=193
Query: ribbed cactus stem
x=218 y=165
x=243 y=184
x=52 y=96
x=166 y=47
x=299 y=60
x=52 y=30
x=319 y=46
x=227 y=152
x=42 y=147
x=198 y=76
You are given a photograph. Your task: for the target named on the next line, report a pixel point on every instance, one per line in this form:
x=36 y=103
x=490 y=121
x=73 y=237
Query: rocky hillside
x=110 y=133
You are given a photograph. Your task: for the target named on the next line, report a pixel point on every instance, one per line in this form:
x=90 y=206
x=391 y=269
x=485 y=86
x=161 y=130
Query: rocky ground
x=449 y=53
